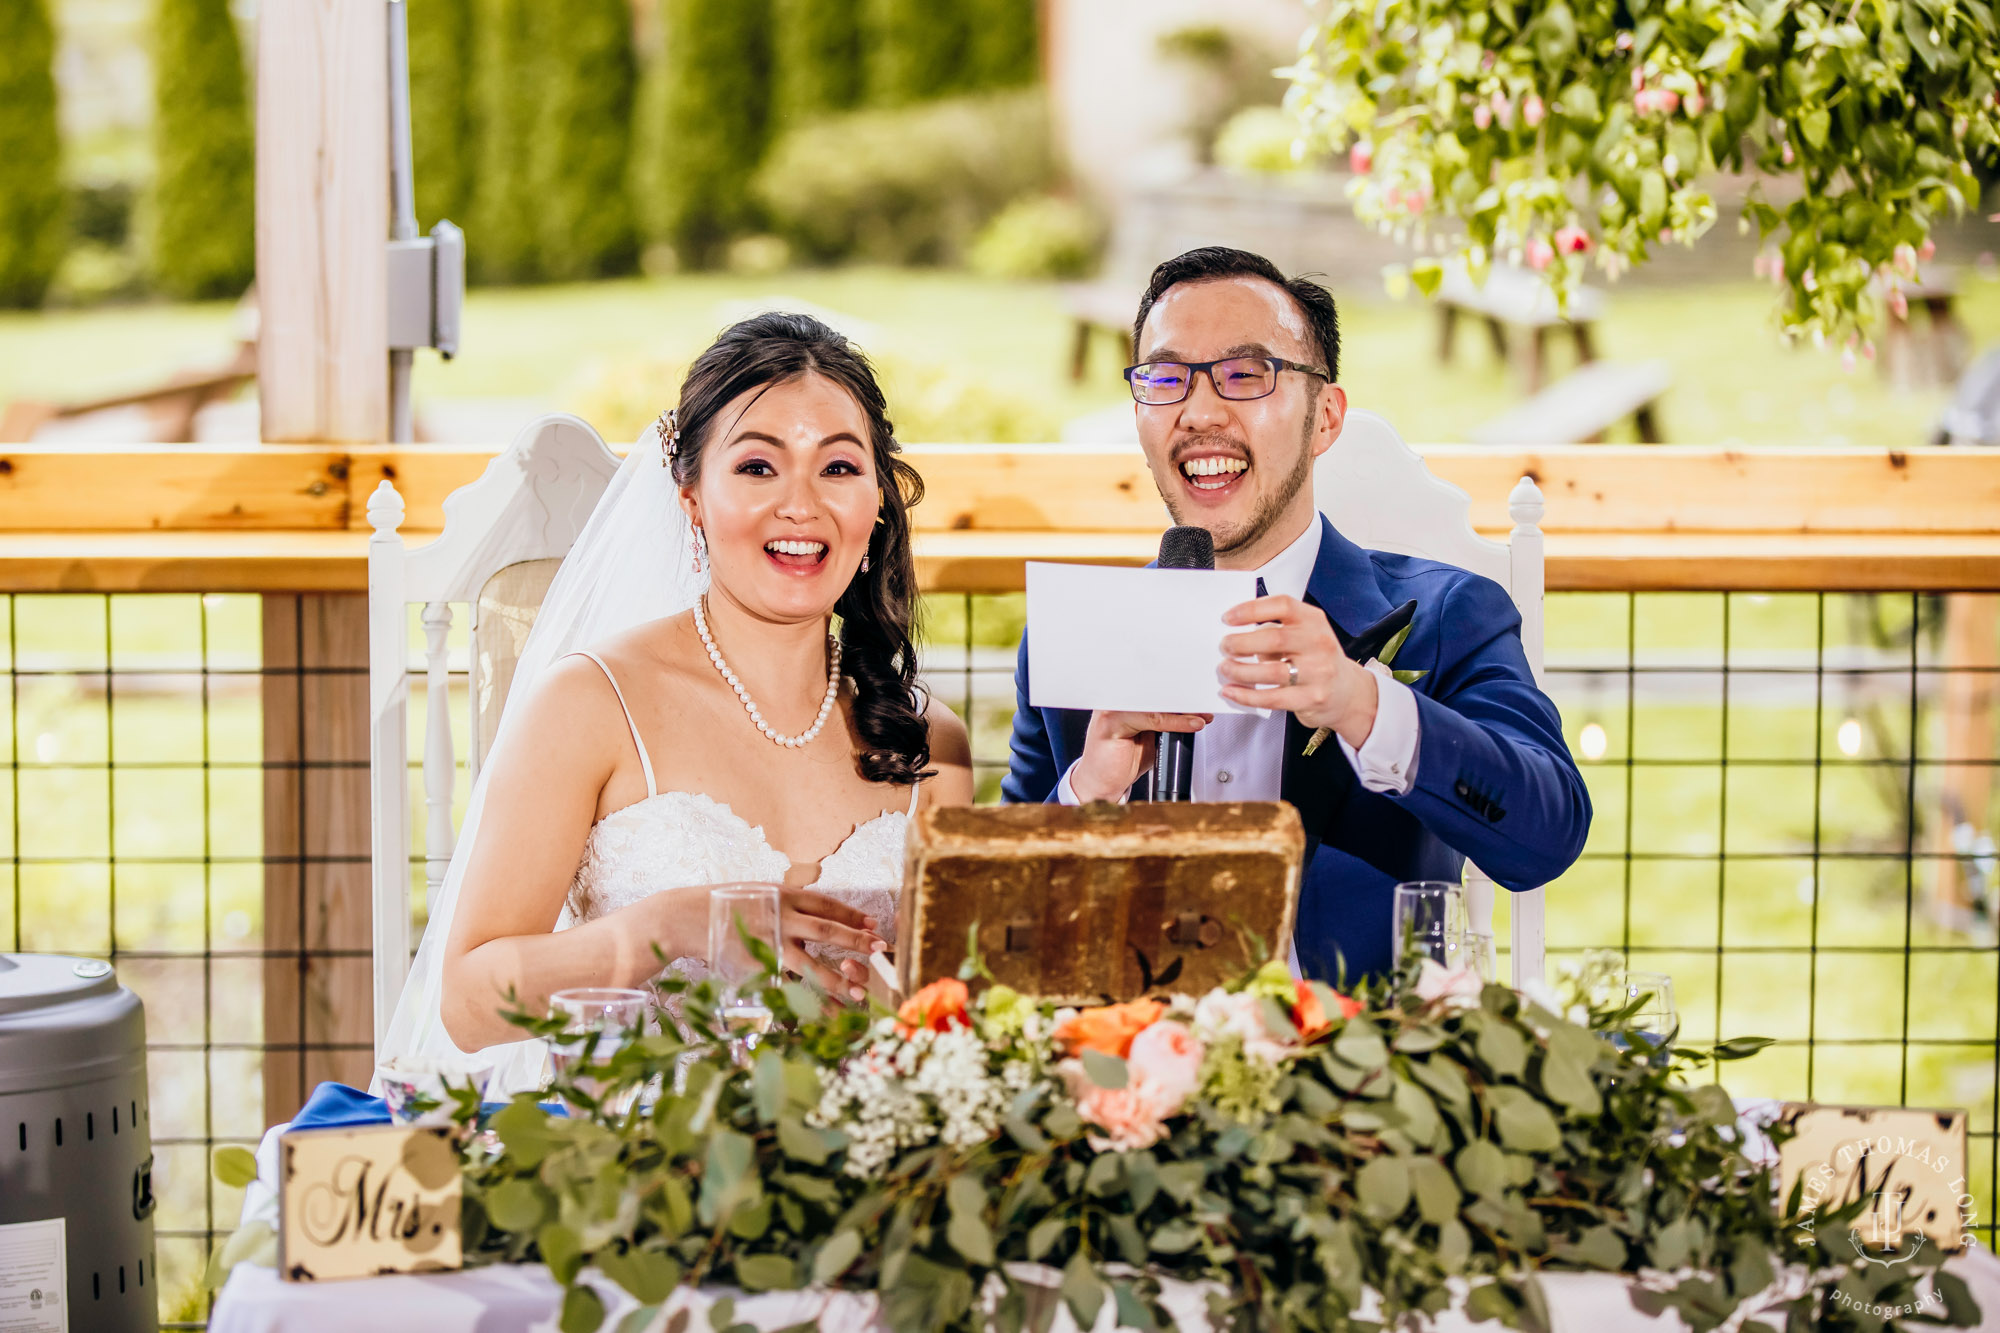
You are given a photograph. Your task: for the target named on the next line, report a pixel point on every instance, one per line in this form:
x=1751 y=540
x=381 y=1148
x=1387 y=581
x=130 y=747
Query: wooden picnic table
x=1518 y=299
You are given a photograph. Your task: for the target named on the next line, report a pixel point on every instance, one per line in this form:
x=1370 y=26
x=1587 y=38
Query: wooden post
x=323 y=376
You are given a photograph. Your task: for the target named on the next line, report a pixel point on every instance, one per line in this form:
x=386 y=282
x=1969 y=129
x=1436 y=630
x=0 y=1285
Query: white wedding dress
x=677 y=839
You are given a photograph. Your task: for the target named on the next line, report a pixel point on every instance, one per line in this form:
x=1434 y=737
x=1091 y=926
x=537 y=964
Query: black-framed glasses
x=1159 y=383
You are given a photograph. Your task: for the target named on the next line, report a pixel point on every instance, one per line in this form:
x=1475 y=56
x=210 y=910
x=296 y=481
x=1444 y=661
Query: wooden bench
x=1098 y=307
x=1517 y=298
x=173 y=403
x=1578 y=408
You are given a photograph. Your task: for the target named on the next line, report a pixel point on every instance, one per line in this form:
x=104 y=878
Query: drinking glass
x=736 y=911
x=1472 y=950
x=1428 y=912
x=1656 y=1020
x=613 y=1015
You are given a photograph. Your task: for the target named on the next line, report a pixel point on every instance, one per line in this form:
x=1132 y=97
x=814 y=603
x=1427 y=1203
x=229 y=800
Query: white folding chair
x=1379 y=493
x=503 y=537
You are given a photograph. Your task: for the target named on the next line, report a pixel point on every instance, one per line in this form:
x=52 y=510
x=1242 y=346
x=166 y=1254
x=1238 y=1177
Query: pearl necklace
x=806 y=737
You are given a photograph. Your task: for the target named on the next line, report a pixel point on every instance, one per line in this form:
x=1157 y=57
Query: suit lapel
x=1343 y=586
x=1343 y=583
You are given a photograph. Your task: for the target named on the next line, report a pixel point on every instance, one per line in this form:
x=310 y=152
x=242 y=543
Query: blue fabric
x=1494 y=782
x=337 y=1106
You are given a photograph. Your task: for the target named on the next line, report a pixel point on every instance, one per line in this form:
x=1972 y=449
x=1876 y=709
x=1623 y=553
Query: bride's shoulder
x=951 y=750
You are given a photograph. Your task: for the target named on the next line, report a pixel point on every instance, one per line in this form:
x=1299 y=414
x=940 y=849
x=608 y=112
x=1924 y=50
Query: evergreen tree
x=204 y=205
x=915 y=50
x=441 y=143
x=31 y=217
x=816 y=59
x=583 y=142
x=1002 y=43
x=500 y=239
x=714 y=95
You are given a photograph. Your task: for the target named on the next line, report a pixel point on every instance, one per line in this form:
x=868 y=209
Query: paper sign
x=1908 y=1164
x=1139 y=640
x=353 y=1202
x=33 y=1264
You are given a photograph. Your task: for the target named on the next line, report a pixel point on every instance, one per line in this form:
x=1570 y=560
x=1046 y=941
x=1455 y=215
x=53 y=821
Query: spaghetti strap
x=916 y=789
x=645 y=760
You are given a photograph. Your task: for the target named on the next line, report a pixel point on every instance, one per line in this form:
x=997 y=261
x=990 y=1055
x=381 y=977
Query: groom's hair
x=878 y=609
x=1219 y=261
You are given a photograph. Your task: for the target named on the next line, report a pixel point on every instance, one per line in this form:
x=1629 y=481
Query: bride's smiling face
x=786 y=497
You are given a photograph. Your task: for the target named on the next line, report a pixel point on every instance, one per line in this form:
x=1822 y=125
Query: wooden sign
x=357 y=1202
x=1083 y=903
x=1909 y=1164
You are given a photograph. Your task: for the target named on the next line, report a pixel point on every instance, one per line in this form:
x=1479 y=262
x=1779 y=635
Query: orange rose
x=1109 y=1028
x=938 y=1007
x=1309 y=1014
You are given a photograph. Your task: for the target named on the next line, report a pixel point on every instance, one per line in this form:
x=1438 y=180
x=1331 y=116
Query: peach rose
x=1108 y=1028
x=1166 y=1061
x=1309 y=1014
x=1129 y=1116
x=938 y=1007
x=1459 y=987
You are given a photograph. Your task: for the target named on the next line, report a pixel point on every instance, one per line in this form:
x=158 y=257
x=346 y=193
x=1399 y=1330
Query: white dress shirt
x=1241 y=756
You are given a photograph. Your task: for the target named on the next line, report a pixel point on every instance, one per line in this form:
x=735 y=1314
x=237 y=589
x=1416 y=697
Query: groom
x=1236 y=397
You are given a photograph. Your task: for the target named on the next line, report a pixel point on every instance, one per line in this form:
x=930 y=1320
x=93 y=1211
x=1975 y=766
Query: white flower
x=1545 y=995
x=1221 y=1014
x=901 y=1093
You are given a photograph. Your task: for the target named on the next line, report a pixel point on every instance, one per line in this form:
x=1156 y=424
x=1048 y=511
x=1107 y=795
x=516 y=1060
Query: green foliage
x=710 y=110
x=1258 y=139
x=907 y=186
x=203 y=241
x=816 y=59
x=1041 y=236
x=441 y=121
x=915 y=50
x=582 y=142
x=1550 y=132
x=31 y=198
x=1002 y=43
x=502 y=241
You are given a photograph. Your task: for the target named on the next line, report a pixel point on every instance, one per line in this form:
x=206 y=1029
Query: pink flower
x=1482 y=115
x=1361 y=157
x=1220 y=1014
x=1787 y=155
x=1539 y=254
x=1624 y=41
x=1532 y=111
x=1899 y=304
x=1905 y=260
x=1662 y=100
x=1573 y=240
x=1417 y=200
x=1166 y=1061
x=1457 y=987
x=1926 y=251
x=1847 y=359
x=1503 y=110
x=1694 y=102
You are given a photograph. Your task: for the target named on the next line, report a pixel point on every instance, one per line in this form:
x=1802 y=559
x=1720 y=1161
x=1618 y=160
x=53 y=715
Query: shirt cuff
x=1387 y=760
x=1066 y=794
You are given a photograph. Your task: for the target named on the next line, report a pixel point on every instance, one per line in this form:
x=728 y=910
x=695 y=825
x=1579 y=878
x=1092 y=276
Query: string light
x=1592 y=741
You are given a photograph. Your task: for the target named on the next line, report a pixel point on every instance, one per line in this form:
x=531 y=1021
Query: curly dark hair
x=878 y=610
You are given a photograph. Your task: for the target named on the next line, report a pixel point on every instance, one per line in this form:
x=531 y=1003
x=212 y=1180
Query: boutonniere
x=1400 y=621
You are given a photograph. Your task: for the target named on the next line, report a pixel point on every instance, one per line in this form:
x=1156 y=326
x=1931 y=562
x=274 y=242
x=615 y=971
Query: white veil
x=632 y=563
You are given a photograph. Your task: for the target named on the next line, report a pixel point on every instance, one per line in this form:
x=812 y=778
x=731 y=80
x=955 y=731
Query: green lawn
x=614 y=349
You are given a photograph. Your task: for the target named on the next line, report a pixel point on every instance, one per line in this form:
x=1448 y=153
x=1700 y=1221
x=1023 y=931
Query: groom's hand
x=1119 y=747
x=1332 y=690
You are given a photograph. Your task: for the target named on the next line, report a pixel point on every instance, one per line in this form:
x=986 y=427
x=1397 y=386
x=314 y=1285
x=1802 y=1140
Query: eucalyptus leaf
x=1524 y=1123
x=1503 y=1049
x=582 y=1311
x=1044 y=1234
x=967 y=1230
x=235 y=1166
x=1383 y=1188
x=1082 y=1291
x=767 y=1272
x=1106 y=1071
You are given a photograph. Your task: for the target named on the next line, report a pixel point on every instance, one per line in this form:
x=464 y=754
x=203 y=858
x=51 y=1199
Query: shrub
x=816 y=59
x=582 y=143
x=1038 y=237
x=501 y=240
x=31 y=198
x=441 y=121
x=1260 y=139
x=203 y=207
x=915 y=50
x=711 y=101
x=1003 y=46
x=908 y=186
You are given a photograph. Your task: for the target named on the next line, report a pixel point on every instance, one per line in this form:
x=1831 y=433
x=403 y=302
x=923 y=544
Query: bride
x=684 y=716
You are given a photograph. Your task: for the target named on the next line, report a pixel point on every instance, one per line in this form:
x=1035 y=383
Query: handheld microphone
x=1184 y=547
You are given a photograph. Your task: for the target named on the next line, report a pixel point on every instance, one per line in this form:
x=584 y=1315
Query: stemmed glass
x=597 y=1023
x=1656 y=1021
x=738 y=913
x=1428 y=913
x=1473 y=951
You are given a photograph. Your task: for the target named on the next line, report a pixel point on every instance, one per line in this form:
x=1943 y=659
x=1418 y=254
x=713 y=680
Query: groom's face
x=1239 y=467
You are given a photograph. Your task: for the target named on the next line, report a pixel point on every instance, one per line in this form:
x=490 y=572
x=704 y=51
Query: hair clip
x=670 y=436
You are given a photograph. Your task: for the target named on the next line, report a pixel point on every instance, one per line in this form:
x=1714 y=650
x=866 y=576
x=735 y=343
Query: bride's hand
x=805 y=916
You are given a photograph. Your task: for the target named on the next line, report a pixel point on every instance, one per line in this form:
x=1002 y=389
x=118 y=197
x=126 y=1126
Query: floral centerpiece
x=1322 y=1160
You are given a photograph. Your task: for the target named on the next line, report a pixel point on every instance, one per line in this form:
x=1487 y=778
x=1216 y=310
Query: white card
x=1138 y=640
x=33 y=1266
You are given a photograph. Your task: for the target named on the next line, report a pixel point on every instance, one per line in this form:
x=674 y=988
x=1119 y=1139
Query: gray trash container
x=76 y=1157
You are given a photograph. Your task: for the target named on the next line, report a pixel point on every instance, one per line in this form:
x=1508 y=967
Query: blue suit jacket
x=1494 y=782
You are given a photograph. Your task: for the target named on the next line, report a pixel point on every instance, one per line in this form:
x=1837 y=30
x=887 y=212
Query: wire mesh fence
x=1795 y=807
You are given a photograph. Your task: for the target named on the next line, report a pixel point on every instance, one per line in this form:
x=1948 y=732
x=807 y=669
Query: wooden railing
x=291 y=518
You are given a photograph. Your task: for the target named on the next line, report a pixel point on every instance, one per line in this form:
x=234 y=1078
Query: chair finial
x=385 y=508
x=1524 y=503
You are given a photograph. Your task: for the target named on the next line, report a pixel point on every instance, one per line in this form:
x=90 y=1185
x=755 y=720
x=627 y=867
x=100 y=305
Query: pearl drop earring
x=699 y=541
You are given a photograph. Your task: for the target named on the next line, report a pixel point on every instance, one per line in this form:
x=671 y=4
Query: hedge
x=203 y=213
x=582 y=145
x=711 y=122
x=441 y=122
x=31 y=198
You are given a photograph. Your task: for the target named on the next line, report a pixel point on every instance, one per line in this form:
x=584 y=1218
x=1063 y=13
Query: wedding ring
x=1292 y=669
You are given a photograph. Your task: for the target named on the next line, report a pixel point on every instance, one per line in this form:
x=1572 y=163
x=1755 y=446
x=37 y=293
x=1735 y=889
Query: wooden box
x=1087 y=903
